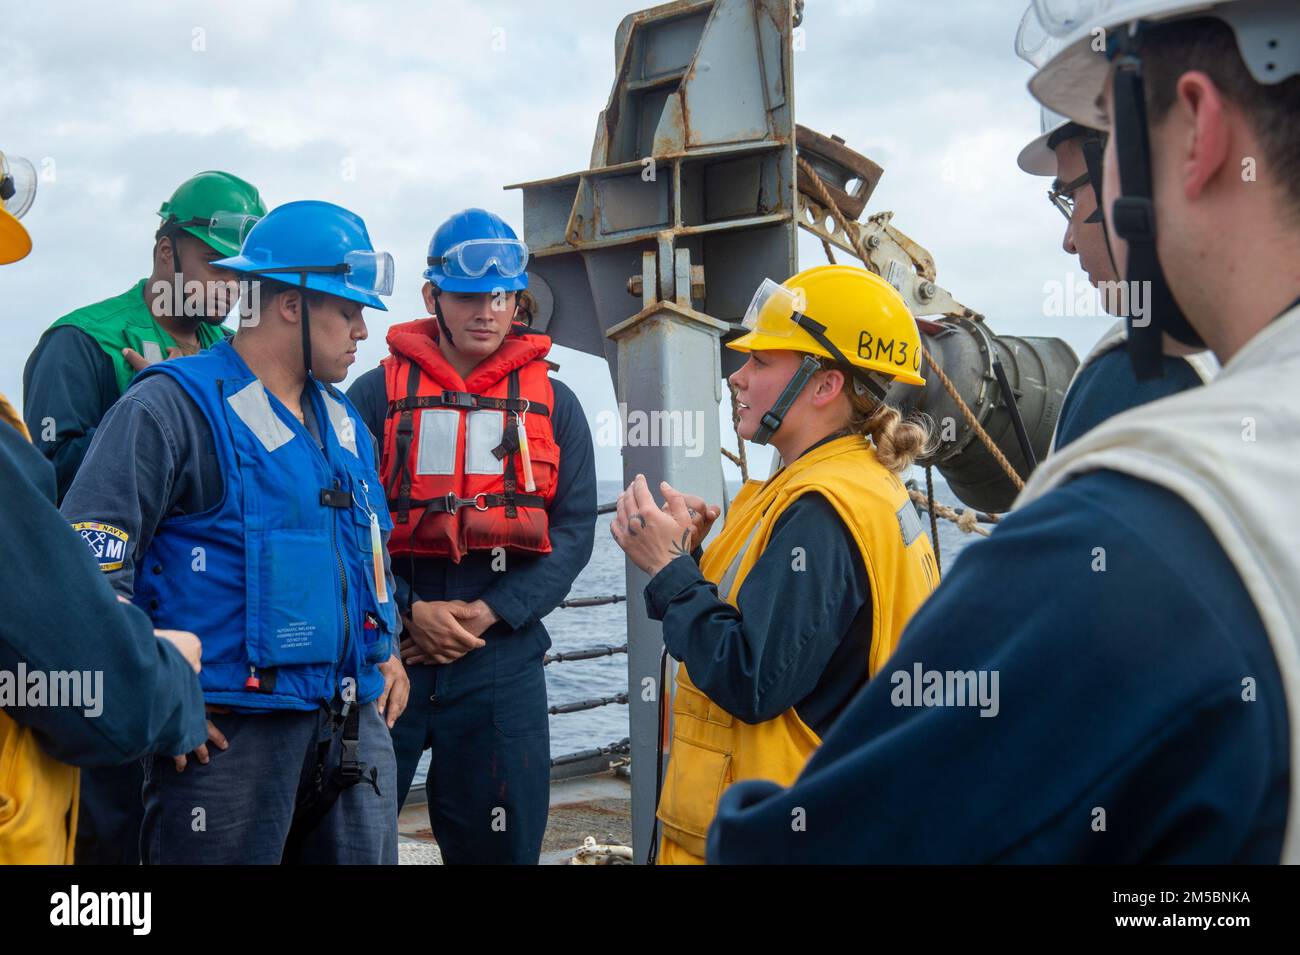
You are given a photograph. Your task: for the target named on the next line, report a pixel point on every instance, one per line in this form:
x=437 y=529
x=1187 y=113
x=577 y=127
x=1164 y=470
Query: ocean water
x=586 y=627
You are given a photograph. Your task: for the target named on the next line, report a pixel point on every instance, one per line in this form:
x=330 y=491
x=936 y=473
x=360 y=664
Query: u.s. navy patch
x=106 y=542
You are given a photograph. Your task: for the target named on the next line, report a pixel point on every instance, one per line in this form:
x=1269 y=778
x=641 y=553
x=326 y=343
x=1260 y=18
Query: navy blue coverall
x=69 y=381
x=484 y=716
x=61 y=614
x=1107 y=387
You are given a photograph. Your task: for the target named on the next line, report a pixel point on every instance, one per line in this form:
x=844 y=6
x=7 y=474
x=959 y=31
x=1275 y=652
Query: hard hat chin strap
x=306 y=326
x=178 y=278
x=772 y=419
x=169 y=229
x=810 y=365
x=1091 y=147
x=437 y=312
x=1134 y=217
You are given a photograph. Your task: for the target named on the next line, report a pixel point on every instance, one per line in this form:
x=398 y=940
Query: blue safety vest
x=279 y=580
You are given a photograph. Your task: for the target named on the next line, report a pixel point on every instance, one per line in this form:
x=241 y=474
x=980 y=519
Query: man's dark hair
x=270 y=288
x=1208 y=44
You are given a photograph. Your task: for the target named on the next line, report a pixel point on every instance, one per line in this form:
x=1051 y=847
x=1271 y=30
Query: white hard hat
x=1072 y=81
x=1036 y=46
x=1038 y=158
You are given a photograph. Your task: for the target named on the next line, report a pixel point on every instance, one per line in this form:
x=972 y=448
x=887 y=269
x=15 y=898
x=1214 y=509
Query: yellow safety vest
x=38 y=801
x=711 y=749
x=38 y=794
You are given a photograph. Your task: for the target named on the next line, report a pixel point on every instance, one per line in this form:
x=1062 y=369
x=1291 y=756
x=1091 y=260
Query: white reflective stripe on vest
x=1230 y=450
x=484 y=430
x=253 y=407
x=729 y=577
x=436 y=450
x=344 y=430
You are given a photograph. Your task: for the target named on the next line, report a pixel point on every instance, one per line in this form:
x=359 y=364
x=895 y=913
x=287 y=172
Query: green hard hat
x=216 y=207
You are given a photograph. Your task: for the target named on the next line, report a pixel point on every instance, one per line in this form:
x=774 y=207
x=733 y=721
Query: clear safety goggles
x=17 y=184
x=1060 y=18
x=774 y=309
x=1034 y=44
x=370 y=273
x=227 y=228
x=473 y=257
x=231 y=228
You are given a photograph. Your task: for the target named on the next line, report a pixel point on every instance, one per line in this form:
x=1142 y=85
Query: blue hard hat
x=477 y=251
x=320 y=245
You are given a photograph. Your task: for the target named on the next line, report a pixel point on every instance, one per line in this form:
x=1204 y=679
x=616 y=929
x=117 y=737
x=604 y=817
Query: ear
x=162 y=255
x=829 y=388
x=288 y=306
x=430 y=294
x=1197 y=129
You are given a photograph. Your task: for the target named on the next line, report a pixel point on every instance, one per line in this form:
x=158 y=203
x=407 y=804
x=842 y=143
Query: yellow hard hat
x=17 y=189
x=855 y=311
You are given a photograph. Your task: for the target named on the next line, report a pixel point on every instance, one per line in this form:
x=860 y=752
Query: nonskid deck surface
x=599 y=806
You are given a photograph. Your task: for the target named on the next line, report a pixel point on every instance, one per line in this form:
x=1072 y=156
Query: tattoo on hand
x=678 y=548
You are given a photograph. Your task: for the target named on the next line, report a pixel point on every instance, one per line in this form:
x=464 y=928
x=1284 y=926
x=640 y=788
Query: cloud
x=408 y=111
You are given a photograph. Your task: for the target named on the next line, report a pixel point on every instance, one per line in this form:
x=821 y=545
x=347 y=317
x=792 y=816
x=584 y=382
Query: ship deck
x=597 y=805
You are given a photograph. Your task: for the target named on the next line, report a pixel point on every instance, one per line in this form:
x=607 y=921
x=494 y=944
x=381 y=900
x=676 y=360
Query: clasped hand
x=442 y=631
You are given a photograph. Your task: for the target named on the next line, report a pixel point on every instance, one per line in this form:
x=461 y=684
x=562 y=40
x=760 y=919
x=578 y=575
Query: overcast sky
x=406 y=112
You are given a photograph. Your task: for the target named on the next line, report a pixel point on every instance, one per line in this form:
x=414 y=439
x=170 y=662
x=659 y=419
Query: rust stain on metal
x=684 y=112
x=615 y=108
x=667 y=10
x=832 y=152
x=919 y=255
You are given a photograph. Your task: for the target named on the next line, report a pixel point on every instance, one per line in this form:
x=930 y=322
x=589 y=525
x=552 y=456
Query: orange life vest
x=458 y=454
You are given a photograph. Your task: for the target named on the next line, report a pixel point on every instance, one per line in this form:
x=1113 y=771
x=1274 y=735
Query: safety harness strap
x=511 y=481
x=401 y=484
x=327 y=784
x=466 y=400
x=450 y=503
